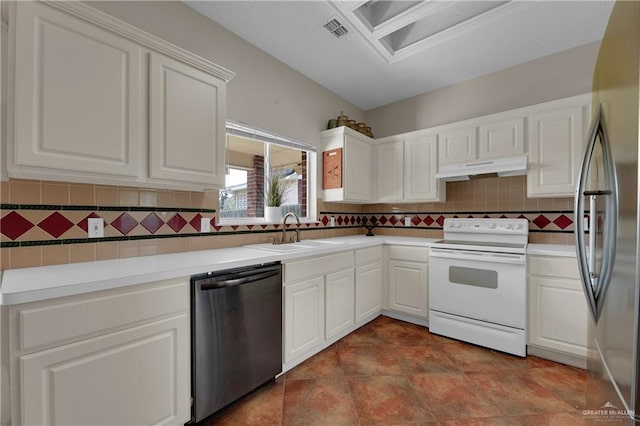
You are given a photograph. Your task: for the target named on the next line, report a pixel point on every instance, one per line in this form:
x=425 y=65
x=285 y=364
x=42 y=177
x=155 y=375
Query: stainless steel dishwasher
x=236 y=334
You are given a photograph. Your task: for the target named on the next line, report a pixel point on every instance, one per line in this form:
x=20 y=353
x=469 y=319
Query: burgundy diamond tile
x=522 y=216
x=339 y=220
x=177 y=222
x=486 y=216
x=124 y=223
x=84 y=223
x=415 y=220
x=383 y=219
x=234 y=227
x=563 y=222
x=358 y=220
x=251 y=226
x=440 y=220
x=13 y=225
x=352 y=220
x=324 y=220
x=428 y=220
x=195 y=222
x=152 y=223
x=393 y=219
x=56 y=224
x=503 y=216
x=541 y=221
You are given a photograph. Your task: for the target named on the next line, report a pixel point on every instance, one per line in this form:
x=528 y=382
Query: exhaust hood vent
x=511 y=166
x=336 y=28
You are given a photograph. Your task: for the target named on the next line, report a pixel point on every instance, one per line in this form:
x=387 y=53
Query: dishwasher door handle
x=239 y=281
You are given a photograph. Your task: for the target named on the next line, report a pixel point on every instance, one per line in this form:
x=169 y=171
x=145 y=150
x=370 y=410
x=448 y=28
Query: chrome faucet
x=284 y=228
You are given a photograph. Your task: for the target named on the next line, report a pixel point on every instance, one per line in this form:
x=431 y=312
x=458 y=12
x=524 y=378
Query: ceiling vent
x=336 y=28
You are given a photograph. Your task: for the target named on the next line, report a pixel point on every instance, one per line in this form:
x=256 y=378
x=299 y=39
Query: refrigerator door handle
x=595 y=283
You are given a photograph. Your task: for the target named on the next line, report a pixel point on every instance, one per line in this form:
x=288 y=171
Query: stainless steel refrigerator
x=606 y=217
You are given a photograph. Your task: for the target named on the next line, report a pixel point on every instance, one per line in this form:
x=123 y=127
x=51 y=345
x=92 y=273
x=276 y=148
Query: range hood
x=509 y=166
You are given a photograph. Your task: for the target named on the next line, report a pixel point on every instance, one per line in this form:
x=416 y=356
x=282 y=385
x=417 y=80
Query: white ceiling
x=396 y=50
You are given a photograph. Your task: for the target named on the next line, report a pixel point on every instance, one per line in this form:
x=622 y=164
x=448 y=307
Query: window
x=253 y=158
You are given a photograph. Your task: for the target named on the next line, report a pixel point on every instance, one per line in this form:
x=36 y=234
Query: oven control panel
x=487 y=226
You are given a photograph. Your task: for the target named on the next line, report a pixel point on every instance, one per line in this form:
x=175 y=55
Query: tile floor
x=393 y=373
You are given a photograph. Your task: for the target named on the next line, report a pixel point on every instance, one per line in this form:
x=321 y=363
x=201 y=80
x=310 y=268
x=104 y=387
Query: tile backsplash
x=44 y=223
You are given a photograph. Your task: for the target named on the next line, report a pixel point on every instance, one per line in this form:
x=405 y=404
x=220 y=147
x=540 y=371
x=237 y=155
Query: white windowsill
x=258 y=221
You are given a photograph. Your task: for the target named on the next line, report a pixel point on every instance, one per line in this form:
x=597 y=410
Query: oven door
x=484 y=286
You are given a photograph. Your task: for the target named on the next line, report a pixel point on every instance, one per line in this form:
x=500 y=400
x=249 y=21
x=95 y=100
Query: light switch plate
x=407 y=221
x=205 y=224
x=333 y=221
x=95 y=227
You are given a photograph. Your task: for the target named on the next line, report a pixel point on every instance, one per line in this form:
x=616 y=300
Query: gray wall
x=264 y=92
x=553 y=77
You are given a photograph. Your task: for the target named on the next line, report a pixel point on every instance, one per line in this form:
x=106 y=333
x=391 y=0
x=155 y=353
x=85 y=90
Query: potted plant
x=274 y=196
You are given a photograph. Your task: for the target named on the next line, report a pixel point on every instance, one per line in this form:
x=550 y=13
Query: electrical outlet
x=95 y=227
x=205 y=224
x=407 y=221
x=333 y=221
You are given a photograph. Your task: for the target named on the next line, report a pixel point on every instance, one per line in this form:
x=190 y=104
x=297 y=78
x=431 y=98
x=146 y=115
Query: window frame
x=251 y=132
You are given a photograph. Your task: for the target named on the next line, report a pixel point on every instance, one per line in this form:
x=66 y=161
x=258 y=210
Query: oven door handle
x=512 y=259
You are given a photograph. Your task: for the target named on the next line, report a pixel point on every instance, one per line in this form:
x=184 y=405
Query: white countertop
x=47 y=282
x=566 y=250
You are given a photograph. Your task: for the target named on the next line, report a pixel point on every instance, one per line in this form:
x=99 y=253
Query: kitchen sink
x=295 y=247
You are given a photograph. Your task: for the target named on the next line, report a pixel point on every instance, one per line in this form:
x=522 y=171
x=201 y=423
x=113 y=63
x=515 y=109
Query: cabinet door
x=186 y=123
x=77 y=97
x=389 y=161
x=502 y=139
x=357 y=170
x=558 y=315
x=138 y=375
x=457 y=146
x=408 y=288
x=420 y=166
x=340 y=302
x=555 y=149
x=368 y=290
x=303 y=317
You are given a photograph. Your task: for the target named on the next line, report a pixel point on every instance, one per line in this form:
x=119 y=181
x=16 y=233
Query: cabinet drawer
x=550 y=266
x=410 y=254
x=67 y=319
x=311 y=267
x=368 y=255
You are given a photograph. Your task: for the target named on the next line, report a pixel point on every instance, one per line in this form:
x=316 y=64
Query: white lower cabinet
x=558 y=314
x=326 y=298
x=409 y=280
x=111 y=357
x=340 y=302
x=368 y=290
x=304 y=317
x=127 y=377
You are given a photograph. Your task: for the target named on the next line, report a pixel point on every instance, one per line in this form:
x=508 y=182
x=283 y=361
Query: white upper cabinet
x=457 y=146
x=389 y=171
x=420 y=166
x=77 y=98
x=556 y=141
x=406 y=170
x=186 y=119
x=356 y=165
x=501 y=139
x=95 y=102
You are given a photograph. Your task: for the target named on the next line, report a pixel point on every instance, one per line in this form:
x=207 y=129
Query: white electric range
x=477 y=283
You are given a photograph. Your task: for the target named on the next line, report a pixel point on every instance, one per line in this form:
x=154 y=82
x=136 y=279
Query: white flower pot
x=273 y=214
